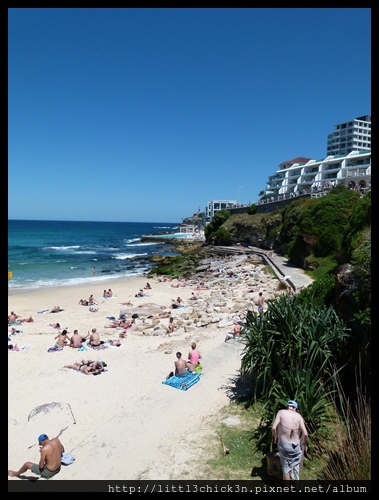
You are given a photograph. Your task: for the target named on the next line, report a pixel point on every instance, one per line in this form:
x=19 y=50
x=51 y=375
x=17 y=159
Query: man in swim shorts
x=261 y=302
x=50 y=461
x=290 y=434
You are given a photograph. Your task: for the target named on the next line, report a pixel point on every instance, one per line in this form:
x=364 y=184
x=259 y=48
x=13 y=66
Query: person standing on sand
x=50 y=461
x=249 y=314
x=261 y=302
x=170 y=327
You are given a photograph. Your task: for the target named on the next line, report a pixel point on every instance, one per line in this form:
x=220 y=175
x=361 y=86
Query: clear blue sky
x=146 y=114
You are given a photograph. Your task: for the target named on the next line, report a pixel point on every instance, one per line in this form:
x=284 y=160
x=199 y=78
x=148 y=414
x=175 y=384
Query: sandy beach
x=126 y=424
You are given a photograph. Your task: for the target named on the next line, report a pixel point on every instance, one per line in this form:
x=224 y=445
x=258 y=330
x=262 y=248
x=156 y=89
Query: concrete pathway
x=296 y=276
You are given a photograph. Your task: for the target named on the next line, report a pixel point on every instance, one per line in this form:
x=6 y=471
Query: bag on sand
x=67 y=459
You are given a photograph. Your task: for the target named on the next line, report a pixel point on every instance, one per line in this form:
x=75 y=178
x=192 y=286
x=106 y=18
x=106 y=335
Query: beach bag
x=67 y=459
x=198 y=368
x=274 y=468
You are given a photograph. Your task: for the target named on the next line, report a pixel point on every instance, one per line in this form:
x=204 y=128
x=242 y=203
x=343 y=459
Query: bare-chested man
x=50 y=461
x=180 y=366
x=12 y=318
x=290 y=435
x=94 y=338
x=77 y=340
x=261 y=302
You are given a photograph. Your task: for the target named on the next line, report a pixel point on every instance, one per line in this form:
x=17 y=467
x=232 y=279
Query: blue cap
x=42 y=437
x=292 y=403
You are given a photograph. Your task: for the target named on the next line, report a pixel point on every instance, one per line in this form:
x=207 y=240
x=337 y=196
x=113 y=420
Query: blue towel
x=183 y=383
x=83 y=348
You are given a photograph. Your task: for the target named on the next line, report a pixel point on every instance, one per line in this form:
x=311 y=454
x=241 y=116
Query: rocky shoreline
x=225 y=288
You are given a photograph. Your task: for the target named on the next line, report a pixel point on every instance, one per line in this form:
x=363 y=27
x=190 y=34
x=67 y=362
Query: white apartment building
x=304 y=175
x=217 y=205
x=348 y=156
x=350 y=136
x=348 y=162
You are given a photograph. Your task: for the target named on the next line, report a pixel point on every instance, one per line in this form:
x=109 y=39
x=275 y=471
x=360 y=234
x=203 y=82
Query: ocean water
x=59 y=253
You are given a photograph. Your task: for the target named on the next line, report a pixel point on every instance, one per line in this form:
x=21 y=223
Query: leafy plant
x=288 y=353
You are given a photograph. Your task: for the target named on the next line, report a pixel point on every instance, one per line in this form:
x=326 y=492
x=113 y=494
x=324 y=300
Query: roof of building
x=299 y=159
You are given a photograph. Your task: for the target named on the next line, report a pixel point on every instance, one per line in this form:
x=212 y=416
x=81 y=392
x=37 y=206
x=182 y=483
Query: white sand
x=124 y=423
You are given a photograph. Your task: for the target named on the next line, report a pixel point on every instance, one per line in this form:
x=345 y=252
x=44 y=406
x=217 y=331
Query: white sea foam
x=123 y=256
x=63 y=247
x=34 y=285
x=144 y=244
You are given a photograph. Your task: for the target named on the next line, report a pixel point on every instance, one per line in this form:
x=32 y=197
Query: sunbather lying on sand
x=88 y=367
x=56 y=309
x=123 y=323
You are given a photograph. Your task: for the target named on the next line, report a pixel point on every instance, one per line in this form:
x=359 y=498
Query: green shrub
x=289 y=353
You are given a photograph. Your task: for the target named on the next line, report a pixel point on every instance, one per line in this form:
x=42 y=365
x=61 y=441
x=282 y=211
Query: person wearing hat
x=50 y=461
x=290 y=434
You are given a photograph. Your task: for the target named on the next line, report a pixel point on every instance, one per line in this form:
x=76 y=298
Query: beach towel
x=99 y=347
x=290 y=458
x=14 y=331
x=183 y=383
x=54 y=349
x=82 y=348
x=95 y=373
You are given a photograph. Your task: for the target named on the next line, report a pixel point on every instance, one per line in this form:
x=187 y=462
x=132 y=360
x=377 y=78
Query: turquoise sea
x=60 y=253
